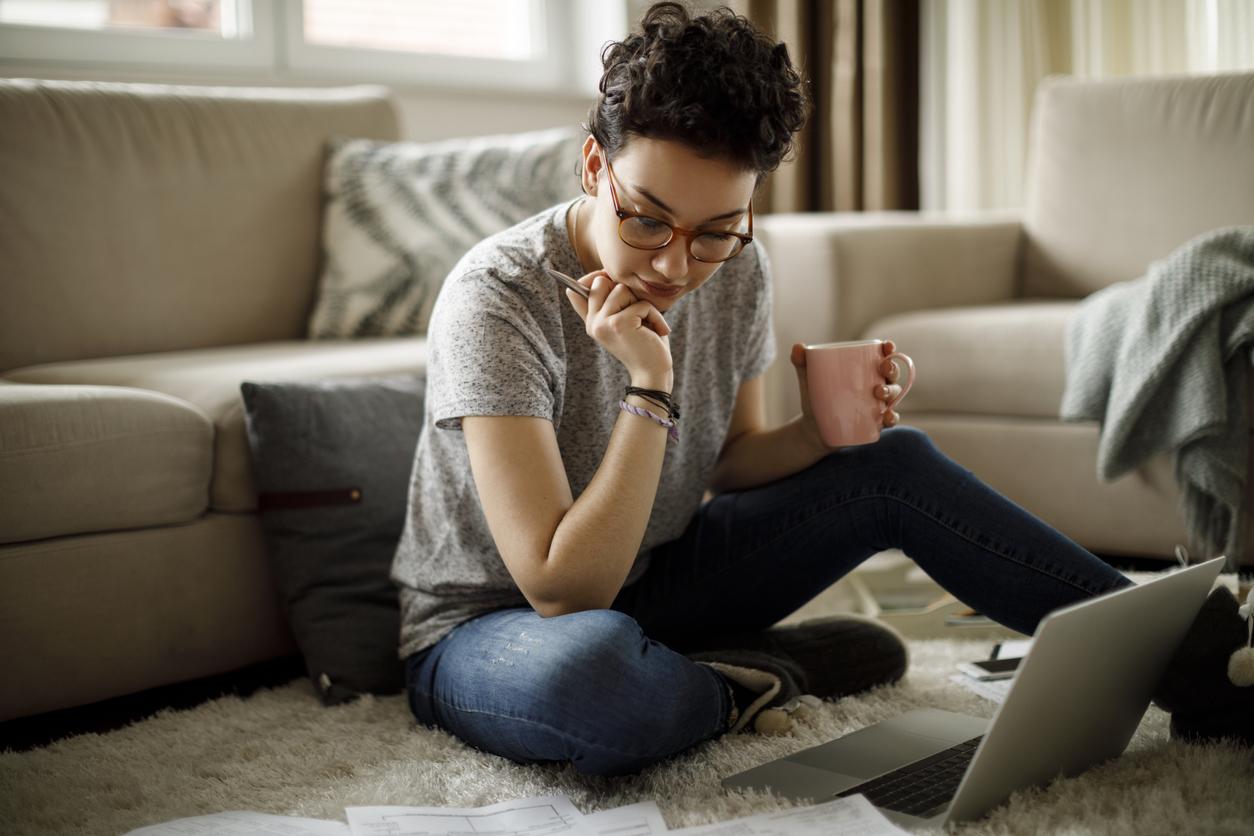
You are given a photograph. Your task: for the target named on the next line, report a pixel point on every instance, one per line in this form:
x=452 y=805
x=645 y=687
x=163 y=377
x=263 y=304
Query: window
x=502 y=29
x=506 y=43
x=182 y=33
x=497 y=43
x=207 y=16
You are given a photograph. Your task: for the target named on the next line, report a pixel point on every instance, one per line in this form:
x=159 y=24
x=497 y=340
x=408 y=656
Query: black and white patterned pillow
x=398 y=216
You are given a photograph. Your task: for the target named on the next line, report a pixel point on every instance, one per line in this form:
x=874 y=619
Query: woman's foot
x=823 y=657
x=1204 y=702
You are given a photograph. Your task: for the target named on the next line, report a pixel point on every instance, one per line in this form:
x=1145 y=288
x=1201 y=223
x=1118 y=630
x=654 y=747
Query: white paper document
x=852 y=816
x=995 y=690
x=244 y=823
x=1013 y=649
x=549 y=815
x=640 y=819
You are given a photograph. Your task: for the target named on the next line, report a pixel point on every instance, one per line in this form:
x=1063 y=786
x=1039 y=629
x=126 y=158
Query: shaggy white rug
x=280 y=752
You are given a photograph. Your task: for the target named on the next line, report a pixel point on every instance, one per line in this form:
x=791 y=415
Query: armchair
x=1121 y=172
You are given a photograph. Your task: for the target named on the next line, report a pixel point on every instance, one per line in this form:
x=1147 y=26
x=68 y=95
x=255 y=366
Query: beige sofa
x=1121 y=172
x=159 y=245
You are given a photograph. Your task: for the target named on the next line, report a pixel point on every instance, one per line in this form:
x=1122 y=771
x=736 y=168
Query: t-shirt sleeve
x=488 y=355
x=760 y=342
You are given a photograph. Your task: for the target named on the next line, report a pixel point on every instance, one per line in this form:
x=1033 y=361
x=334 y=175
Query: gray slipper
x=825 y=658
x=1205 y=704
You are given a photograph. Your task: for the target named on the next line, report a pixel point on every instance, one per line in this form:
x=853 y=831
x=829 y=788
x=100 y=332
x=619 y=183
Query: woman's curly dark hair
x=713 y=82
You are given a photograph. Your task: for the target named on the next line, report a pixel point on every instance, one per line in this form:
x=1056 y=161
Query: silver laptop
x=1077 y=699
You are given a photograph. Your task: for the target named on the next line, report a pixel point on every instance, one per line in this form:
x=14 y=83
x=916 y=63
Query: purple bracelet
x=672 y=431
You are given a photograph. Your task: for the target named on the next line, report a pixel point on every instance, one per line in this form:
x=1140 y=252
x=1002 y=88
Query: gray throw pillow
x=398 y=216
x=332 y=462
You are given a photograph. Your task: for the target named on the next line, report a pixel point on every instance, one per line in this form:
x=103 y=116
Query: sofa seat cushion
x=97 y=616
x=77 y=459
x=988 y=360
x=209 y=379
x=1004 y=359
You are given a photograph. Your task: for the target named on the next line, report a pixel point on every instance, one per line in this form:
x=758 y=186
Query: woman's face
x=668 y=181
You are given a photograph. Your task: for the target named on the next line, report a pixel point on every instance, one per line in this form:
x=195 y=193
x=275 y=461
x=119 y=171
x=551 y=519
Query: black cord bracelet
x=658 y=397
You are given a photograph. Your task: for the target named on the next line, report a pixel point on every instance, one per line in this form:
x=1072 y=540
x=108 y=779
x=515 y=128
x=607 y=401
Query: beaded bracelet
x=672 y=431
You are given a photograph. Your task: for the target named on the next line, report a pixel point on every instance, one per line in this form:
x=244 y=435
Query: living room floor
x=27 y=733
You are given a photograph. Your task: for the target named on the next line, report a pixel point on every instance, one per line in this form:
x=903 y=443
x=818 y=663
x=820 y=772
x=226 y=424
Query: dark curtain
x=860 y=149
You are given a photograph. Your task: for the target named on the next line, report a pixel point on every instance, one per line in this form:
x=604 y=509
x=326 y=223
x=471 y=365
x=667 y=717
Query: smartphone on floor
x=988 y=670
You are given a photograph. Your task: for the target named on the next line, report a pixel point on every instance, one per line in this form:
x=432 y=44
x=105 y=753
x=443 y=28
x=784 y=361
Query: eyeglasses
x=647 y=233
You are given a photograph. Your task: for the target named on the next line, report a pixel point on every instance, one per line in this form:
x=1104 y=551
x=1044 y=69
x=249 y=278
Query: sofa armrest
x=835 y=274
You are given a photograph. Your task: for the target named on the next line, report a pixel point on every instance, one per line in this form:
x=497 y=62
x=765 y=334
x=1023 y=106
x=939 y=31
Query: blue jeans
x=605 y=689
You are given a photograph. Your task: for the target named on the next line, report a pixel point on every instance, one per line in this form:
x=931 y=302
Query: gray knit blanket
x=1163 y=363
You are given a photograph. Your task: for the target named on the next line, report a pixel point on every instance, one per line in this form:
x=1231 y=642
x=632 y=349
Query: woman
x=566 y=595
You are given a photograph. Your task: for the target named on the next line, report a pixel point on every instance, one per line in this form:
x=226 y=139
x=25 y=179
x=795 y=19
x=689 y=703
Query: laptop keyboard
x=918 y=788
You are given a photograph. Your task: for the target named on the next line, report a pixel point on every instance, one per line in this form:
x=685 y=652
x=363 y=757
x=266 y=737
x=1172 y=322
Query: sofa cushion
x=1047 y=467
x=1002 y=360
x=332 y=462
x=987 y=360
x=1124 y=170
x=145 y=217
x=399 y=215
x=100 y=615
x=77 y=459
x=209 y=379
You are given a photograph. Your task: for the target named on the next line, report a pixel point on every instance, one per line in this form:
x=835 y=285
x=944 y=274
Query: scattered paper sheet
x=545 y=816
x=995 y=690
x=1012 y=649
x=852 y=816
x=551 y=815
x=640 y=819
x=244 y=823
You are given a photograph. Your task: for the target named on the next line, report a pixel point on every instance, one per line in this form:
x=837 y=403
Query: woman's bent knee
x=906 y=440
x=900 y=442
x=614 y=667
x=588 y=687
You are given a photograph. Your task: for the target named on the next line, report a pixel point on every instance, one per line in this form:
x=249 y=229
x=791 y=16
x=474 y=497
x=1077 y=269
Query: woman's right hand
x=631 y=329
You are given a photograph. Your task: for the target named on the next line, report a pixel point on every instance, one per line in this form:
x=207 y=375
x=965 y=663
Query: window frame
x=275 y=48
x=546 y=72
x=28 y=43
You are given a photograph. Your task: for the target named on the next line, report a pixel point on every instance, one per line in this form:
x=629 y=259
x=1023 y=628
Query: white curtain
x=981 y=61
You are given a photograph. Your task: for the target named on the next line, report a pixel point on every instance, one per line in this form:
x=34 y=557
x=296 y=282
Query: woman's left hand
x=885 y=393
x=891 y=390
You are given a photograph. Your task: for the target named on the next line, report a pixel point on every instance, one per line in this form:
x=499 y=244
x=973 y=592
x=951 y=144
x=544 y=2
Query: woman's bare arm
x=565 y=555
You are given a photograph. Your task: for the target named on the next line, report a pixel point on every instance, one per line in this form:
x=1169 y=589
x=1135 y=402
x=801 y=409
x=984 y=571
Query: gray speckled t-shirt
x=503 y=340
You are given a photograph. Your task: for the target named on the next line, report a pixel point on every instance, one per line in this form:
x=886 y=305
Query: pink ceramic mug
x=842 y=379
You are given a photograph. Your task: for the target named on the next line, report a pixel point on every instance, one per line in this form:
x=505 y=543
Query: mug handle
x=897 y=355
